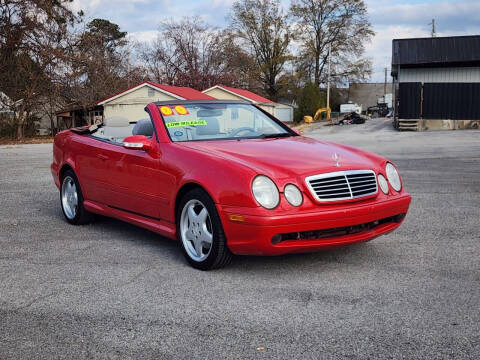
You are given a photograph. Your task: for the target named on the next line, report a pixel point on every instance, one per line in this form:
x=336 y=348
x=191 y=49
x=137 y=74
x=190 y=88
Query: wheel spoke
x=202 y=216
x=198 y=247
x=207 y=237
x=192 y=216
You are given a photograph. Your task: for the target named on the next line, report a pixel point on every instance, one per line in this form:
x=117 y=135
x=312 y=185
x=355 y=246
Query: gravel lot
x=111 y=290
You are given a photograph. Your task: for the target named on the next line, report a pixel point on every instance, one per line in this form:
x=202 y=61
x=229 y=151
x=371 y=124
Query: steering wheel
x=246 y=129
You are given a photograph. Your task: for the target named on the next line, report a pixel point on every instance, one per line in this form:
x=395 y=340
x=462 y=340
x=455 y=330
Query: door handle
x=102 y=156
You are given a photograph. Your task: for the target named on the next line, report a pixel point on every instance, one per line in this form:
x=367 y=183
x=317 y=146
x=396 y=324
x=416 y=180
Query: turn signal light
x=237 y=218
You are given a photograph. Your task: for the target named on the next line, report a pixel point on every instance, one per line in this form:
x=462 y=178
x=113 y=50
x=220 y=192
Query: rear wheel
x=201 y=233
x=71 y=200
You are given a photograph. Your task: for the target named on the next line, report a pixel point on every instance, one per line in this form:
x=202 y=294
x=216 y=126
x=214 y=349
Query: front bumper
x=254 y=235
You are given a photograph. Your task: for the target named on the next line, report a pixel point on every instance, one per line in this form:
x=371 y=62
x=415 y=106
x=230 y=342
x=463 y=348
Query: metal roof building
x=436 y=79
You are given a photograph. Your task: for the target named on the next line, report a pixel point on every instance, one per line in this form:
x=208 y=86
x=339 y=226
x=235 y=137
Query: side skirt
x=156 y=225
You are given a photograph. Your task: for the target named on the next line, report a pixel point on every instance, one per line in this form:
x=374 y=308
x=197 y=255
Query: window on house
x=151 y=92
x=234 y=113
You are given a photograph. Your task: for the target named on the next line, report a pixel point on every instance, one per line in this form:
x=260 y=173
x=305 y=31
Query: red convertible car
x=226 y=177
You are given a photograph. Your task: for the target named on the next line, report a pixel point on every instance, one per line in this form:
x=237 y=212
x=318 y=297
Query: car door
x=90 y=166
x=136 y=180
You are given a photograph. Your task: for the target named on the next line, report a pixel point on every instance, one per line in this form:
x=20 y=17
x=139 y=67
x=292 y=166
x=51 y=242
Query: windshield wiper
x=268 y=136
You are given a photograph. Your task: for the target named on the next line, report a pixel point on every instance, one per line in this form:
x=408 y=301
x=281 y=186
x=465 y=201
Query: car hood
x=288 y=157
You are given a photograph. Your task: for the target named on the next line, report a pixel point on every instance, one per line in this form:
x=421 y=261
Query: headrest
x=116 y=121
x=143 y=127
x=209 y=113
x=212 y=127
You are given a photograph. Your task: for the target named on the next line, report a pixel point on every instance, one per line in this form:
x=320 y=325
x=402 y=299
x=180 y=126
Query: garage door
x=284 y=114
x=410 y=95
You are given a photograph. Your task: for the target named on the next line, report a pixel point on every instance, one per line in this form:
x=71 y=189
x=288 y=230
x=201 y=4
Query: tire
x=71 y=200
x=201 y=234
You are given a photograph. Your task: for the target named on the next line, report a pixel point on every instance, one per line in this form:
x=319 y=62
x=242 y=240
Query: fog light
x=383 y=183
x=293 y=195
x=276 y=239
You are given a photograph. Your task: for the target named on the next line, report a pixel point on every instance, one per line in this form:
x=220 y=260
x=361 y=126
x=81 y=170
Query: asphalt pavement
x=112 y=290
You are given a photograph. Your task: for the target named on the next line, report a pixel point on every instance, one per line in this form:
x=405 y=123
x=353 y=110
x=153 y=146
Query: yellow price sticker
x=166 y=110
x=181 y=110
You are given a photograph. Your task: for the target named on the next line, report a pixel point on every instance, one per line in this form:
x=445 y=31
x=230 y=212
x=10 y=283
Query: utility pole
x=433 y=32
x=385 y=84
x=328 y=81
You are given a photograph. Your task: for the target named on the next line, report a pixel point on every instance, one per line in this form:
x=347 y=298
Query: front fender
x=227 y=183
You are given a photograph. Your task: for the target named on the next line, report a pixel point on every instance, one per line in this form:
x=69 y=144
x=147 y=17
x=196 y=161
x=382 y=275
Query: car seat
x=116 y=128
x=143 y=127
x=213 y=126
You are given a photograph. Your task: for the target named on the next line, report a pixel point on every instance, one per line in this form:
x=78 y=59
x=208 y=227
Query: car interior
x=117 y=128
x=219 y=124
x=208 y=131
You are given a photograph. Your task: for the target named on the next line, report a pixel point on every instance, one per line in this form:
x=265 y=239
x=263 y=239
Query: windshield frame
x=225 y=102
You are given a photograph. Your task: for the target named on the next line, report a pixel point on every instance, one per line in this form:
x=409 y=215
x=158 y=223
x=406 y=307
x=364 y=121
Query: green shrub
x=8 y=126
x=311 y=99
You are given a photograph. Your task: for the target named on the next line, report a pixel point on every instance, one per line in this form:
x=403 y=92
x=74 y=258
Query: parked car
x=226 y=177
x=379 y=110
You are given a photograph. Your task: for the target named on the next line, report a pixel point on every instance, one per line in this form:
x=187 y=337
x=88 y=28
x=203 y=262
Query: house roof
x=245 y=94
x=180 y=93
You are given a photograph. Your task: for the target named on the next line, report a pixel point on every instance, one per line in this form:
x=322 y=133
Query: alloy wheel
x=196 y=230
x=69 y=197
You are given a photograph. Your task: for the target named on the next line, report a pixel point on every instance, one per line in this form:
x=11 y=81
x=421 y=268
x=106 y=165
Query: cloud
x=143 y=36
x=449 y=16
x=131 y=15
x=379 y=50
x=390 y=19
x=394 y=20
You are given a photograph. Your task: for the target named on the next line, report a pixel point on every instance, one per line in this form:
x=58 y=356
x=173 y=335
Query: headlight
x=383 y=183
x=293 y=195
x=393 y=177
x=265 y=192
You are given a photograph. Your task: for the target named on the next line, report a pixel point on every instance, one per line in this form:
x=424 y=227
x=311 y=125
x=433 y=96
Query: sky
x=391 y=19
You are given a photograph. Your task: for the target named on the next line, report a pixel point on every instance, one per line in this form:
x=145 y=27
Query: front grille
x=343 y=185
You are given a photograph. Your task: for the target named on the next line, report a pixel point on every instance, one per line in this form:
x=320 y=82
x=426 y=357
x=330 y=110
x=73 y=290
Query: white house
x=280 y=111
x=130 y=103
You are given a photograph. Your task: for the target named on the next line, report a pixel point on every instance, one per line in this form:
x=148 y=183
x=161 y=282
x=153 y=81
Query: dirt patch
x=302 y=128
x=30 y=140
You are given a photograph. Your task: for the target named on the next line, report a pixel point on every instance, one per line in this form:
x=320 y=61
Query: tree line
x=51 y=57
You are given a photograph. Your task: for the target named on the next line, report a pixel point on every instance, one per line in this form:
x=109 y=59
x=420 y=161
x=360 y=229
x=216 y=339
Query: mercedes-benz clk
x=224 y=178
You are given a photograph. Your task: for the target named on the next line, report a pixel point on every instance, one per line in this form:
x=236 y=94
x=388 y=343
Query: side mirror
x=137 y=142
x=296 y=131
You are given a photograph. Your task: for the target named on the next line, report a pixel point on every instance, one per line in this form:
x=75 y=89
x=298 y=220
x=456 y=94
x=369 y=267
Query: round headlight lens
x=265 y=192
x=293 y=195
x=383 y=183
x=393 y=177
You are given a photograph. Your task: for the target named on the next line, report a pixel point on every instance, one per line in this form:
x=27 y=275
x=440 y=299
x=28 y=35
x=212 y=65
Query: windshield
x=193 y=122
